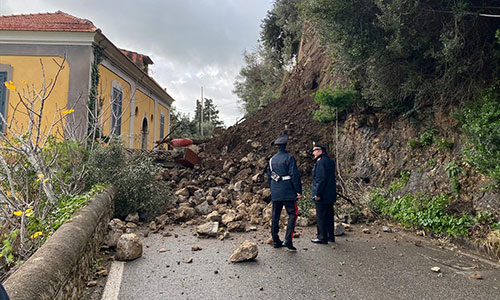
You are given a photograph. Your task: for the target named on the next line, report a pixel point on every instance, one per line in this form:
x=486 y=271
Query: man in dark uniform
x=286 y=188
x=324 y=194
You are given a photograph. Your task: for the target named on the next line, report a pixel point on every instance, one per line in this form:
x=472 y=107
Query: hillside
x=378 y=153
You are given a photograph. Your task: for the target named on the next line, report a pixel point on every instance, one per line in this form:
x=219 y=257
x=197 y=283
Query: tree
x=281 y=30
x=407 y=55
x=259 y=81
x=210 y=112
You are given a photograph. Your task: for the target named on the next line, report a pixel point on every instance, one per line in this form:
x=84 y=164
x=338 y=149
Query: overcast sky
x=192 y=43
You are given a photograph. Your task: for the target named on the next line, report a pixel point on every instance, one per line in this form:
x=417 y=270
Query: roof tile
x=58 y=21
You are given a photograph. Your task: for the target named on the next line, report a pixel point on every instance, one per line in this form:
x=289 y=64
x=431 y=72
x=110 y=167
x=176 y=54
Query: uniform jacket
x=284 y=164
x=324 y=185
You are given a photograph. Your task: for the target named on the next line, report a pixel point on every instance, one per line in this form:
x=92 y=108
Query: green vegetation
x=399 y=183
x=333 y=101
x=401 y=67
x=134 y=177
x=431 y=163
x=427 y=137
x=481 y=123
x=423 y=212
x=260 y=79
x=185 y=127
x=453 y=171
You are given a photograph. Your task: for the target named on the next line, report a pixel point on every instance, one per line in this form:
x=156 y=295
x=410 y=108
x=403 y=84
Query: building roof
x=58 y=21
x=141 y=60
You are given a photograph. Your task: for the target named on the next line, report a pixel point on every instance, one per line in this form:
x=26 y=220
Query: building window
x=162 y=125
x=3 y=98
x=116 y=111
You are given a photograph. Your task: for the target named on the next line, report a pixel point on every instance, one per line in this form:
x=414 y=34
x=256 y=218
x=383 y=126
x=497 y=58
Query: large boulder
x=228 y=217
x=246 y=251
x=208 y=229
x=129 y=247
x=182 y=192
x=238 y=226
x=214 y=216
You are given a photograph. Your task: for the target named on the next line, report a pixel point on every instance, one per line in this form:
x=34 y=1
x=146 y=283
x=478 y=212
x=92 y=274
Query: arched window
x=116 y=108
x=144 y=134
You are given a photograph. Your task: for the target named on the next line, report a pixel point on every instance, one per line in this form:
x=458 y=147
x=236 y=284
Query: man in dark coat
x=324 y=194
x=286 y=188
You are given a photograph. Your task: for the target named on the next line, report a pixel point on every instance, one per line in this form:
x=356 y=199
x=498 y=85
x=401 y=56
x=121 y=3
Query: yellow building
x=132 y=104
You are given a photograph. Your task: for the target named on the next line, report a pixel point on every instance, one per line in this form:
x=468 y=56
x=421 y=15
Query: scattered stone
x=189 y=260
x=237 y=226
x=208 y=229
x=436 y=269
x=214 y=216
x=103 y=273
x=152 y=226
x=296 y=235
x=476 y=276
x=270 y=241
x=91 y=283
x=162 y=250
x=339 y=229
x=196 y=248
x=386 y=229
x=246 y=251
x=134 y=218
x=203 y=208
x=128 y=247
x=182 y=192
x=366 y=230
x=303 y=222
x=261 y=288
x=117 y=225
x=166 y=234
x=113 y=239
x=252 y=228
x=131 y=225
x=216 y=272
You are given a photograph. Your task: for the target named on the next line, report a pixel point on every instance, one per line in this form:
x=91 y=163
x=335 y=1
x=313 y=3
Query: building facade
x=129 y=103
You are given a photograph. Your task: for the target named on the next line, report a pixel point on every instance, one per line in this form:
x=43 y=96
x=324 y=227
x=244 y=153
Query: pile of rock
x=232 y=193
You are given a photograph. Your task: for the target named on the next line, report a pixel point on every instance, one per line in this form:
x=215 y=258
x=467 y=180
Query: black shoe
x=318 y=241
x=278 y=244
x=290 y=246
x=331 y=240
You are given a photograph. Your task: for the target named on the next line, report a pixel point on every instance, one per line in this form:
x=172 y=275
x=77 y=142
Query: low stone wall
x=60 y=268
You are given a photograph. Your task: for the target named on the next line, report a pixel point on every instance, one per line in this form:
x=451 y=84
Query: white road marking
x=112 y=288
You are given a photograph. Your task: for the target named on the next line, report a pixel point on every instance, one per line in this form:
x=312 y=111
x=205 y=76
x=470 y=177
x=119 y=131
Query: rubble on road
x=245 y=252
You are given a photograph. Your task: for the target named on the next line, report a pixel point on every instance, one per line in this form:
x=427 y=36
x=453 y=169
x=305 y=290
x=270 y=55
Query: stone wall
x=60 y=268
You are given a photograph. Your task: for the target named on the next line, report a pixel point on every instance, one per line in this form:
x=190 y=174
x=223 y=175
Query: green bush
x=422 y=212
x=334 y=100
x=427 y=137
x=134 y=177
x=481 y=123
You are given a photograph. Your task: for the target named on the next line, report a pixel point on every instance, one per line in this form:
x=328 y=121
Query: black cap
x=318 y=147
x=281 y=140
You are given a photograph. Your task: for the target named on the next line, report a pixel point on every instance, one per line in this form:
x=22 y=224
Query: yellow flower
x=36 y=234
x=40 y=176
x=1 y=255
x=18 y=213
x=10 y=85
x=29 y=212
x=67 y=111
x=45 y=180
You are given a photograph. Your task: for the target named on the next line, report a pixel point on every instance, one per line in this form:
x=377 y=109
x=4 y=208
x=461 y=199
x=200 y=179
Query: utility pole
x=201 y=113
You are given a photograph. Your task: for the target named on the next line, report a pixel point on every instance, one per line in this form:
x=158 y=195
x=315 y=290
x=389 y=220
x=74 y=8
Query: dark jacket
x=324 y=185
x=284 y=164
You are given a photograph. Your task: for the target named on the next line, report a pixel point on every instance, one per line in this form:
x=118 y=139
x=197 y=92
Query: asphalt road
x=357 y=266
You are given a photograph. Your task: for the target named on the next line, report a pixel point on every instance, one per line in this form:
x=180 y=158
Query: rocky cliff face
x=372 y=148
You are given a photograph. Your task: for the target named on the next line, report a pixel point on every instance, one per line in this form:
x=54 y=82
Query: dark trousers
x=324 y=221
x=291 y=209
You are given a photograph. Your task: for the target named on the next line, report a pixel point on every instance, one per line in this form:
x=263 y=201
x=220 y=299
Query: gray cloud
x=193 y=43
